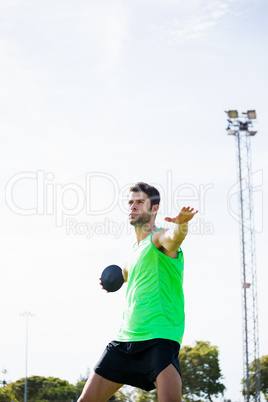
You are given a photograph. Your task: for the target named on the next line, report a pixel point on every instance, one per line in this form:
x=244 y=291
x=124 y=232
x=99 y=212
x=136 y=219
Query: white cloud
x=199 y=18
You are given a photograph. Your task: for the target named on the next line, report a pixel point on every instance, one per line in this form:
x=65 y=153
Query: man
x=145 y=352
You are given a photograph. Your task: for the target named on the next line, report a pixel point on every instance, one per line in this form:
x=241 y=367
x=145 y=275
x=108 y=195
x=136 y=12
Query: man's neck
x=144 y=231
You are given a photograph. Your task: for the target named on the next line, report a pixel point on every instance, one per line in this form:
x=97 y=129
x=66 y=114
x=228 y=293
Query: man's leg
x=98 y=389
x=168 y=385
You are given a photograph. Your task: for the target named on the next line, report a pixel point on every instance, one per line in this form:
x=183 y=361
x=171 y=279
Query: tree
x=201 y=372
x=144 y=396
x=7 y=395
x=263 y=375
x=128 y=393
x=80 y=386
x=44 y=389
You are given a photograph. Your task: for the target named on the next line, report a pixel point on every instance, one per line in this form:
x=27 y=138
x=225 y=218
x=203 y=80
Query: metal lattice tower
x=239 y=127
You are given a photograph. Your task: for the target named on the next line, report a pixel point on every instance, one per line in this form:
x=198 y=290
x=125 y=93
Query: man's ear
x=155 y=208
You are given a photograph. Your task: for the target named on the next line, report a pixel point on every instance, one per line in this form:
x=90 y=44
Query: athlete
x=145 y=351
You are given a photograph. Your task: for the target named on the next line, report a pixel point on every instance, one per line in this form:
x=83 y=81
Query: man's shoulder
x=156 y=235
x=157 y=243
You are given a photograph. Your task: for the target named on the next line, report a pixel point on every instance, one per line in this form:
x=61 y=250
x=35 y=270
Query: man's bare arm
x=125 y=274
x=172 y=238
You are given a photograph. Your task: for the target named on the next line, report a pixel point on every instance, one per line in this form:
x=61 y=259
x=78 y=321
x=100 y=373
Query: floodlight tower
x=239 y=126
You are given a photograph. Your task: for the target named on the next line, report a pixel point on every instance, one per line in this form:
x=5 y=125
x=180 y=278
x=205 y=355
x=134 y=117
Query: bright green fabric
x=154 y=297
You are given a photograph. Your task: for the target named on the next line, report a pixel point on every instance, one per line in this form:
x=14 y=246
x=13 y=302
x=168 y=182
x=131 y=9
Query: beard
x=143 y=219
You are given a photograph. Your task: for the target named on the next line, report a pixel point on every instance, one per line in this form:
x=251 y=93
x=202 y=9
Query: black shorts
x=137 y=363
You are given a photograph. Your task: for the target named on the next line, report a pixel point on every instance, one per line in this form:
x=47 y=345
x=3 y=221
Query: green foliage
x=263 y=376
x=80 y=386
x=44 y=389
x=120 y=395
x=201 y=372
x=127 y=393
x=7 y=395
x=143 y=396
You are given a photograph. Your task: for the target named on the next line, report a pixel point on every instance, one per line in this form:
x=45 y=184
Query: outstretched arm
x=172 y=238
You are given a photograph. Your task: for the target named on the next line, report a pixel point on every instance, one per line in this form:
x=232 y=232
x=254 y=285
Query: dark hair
x=151 y=191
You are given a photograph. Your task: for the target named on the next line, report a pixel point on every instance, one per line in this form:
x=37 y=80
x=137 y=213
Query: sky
x=95 y=96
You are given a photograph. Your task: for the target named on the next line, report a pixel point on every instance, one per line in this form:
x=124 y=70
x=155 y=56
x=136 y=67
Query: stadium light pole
x=240 y=127
x=26 y=314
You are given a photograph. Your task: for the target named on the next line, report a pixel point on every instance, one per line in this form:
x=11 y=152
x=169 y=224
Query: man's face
x=140 y=211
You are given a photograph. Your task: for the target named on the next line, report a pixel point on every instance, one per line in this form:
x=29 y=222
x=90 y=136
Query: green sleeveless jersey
x=154 y=297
